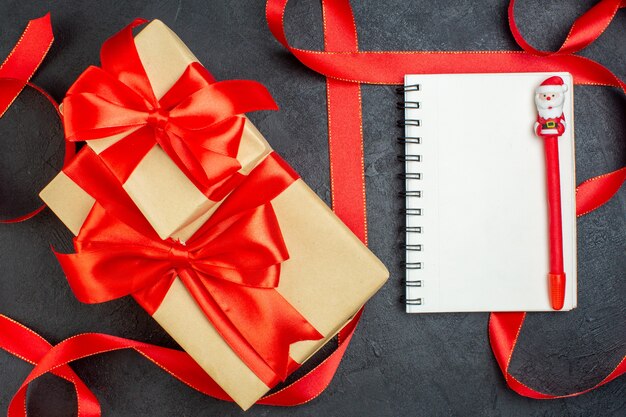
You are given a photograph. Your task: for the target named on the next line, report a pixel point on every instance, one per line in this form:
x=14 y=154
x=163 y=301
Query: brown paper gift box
x=329 y=276
x=166 y=197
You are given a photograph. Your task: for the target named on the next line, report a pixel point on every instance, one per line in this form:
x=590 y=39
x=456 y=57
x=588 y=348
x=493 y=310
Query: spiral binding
x=410 y=176
x=414 y=301
x=409 y=158
x=412 y=265
x=403 y=140
x=409 y=122
x=411 y=211
x=412 y=87
x=408 y=105
x=404 y=157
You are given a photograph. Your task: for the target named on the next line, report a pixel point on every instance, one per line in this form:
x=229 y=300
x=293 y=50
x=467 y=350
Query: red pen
x=550 y=125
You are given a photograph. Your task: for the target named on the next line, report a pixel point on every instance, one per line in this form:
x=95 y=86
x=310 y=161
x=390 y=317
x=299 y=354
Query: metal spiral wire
x=409 y=160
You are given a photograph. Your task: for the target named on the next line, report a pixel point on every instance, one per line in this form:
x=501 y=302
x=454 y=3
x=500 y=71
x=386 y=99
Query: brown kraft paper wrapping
x=330 y=274
x=166 y=197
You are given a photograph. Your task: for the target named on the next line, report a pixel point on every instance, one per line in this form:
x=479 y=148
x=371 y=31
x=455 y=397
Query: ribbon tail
x=260 y=329
x=91 y=174
x=596 y=191
x=226 y=329
x=269 y=322
x=25 y=58
x=313 y=383
x=119 y=56
x=504 y=330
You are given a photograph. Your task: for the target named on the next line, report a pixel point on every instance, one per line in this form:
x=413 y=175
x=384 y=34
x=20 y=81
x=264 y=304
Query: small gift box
x=251 y=288
x=176 y=139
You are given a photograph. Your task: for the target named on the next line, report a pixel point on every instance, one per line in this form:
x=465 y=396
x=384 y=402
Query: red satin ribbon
x=348 y=66
x=230 y=266
x=15 y=73
x=389 y=67
x=25 y=58
x=198 y=122
x=27 y=345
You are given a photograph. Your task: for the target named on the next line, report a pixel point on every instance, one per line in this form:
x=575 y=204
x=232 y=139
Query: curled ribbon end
x=45 y=18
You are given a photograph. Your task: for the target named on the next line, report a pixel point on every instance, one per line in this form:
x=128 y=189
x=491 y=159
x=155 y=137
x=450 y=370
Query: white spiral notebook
x=476 y=205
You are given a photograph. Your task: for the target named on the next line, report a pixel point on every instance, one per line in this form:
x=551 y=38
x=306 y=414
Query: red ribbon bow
x=198 y=122
x=231 y=265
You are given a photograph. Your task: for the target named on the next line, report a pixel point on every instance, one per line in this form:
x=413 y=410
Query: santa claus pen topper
x=550 y=124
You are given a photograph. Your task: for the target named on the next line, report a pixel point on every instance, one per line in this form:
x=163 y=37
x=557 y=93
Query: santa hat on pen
x=552 y=85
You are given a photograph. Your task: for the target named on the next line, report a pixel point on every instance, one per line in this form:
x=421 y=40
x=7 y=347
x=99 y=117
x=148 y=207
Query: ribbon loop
x=583 y=32
x=15 y=73
x=198 y=122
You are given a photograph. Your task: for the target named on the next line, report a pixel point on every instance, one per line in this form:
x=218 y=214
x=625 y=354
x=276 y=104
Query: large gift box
x=250 y=285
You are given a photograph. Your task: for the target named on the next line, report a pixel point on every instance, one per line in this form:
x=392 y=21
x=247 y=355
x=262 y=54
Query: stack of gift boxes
x=254 y=272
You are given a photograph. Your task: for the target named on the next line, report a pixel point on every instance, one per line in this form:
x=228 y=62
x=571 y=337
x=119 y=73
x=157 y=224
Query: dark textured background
x=431 y=365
